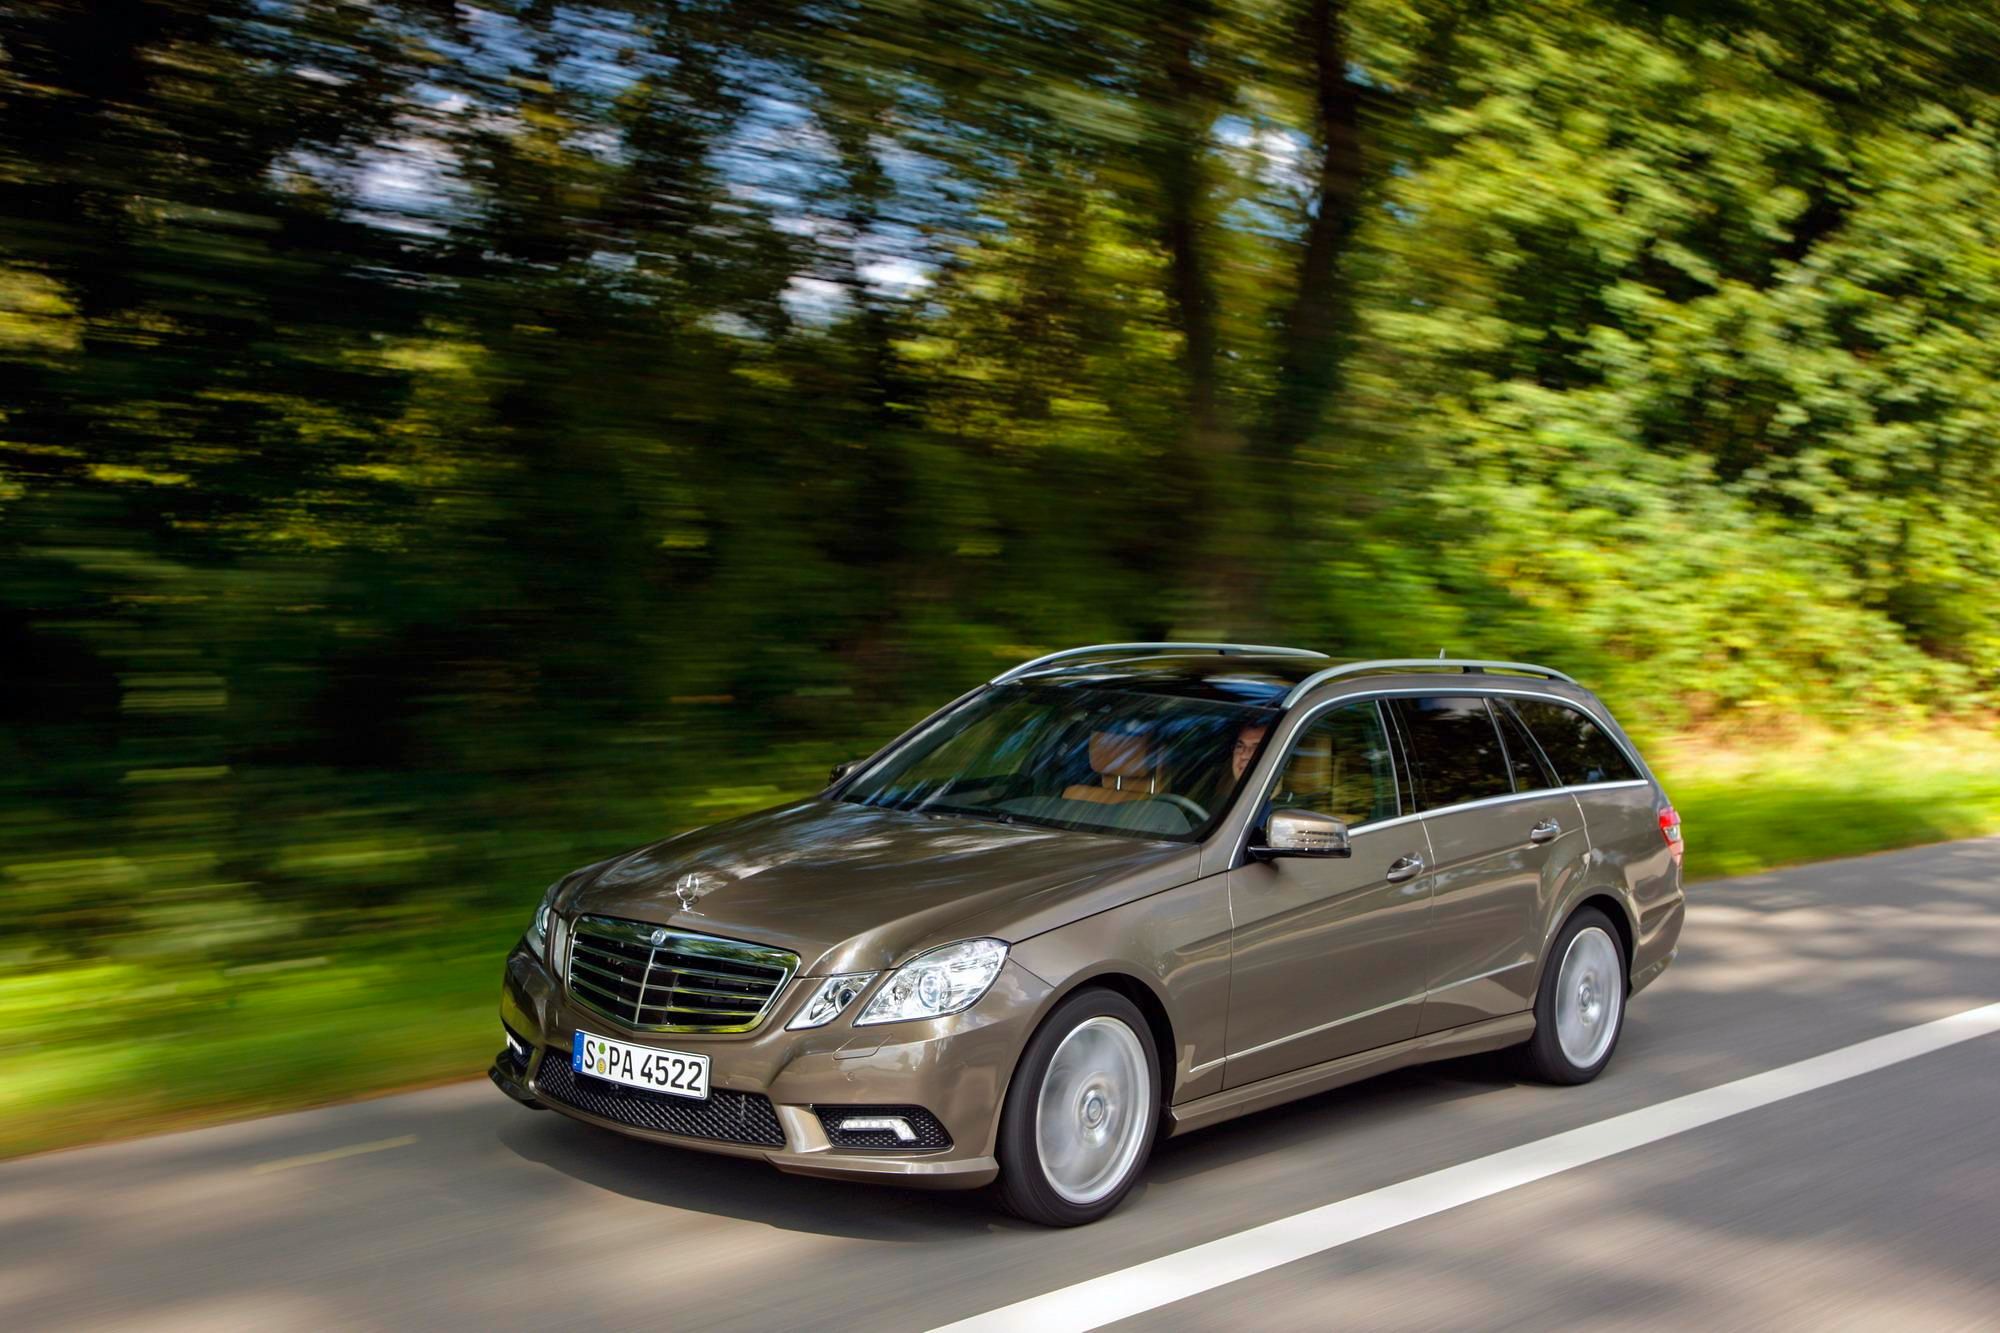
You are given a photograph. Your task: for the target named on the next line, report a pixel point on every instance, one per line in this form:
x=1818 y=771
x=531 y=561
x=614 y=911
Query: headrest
x=1120 y=754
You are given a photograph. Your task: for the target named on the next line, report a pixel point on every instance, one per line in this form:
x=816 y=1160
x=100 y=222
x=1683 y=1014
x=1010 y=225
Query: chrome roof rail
x=1259 y=649
x=1466 y=665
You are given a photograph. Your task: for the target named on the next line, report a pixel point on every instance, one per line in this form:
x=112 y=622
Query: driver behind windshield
x=1078 y=757
x=1248 y=738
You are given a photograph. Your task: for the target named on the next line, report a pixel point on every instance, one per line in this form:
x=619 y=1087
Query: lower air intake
x=726 y=1117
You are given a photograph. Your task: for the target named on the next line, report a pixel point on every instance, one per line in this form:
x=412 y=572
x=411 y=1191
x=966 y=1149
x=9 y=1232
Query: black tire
x=1025 y=1187
x=1542 y=1056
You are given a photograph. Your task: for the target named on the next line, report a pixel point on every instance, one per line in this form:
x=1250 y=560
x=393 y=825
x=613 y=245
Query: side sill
x=1490 y=1035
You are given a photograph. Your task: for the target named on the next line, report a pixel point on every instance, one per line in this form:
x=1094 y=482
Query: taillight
x=1670 y=829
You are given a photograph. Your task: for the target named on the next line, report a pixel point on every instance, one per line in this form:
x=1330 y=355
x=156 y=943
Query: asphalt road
x=1870 y=1202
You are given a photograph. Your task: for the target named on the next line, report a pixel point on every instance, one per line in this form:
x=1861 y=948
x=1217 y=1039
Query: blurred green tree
x=441 y=442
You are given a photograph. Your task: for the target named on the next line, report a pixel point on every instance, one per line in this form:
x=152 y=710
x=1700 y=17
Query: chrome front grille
x=658 y=980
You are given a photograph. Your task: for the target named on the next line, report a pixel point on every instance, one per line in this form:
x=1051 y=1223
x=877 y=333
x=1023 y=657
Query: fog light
x=893 y=1124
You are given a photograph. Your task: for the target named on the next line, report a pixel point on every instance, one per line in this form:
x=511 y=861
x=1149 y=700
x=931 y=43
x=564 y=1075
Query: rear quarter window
x=1582 y=753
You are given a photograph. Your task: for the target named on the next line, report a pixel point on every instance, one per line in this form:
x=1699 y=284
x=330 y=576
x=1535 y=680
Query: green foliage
x=442 y=445
x=1824 y=796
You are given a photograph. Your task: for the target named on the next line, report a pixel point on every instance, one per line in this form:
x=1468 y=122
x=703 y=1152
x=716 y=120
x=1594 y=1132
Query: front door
x=1329 y=952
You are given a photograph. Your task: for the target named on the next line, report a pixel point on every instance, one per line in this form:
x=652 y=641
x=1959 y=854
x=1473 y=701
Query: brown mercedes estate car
x=1114 y=893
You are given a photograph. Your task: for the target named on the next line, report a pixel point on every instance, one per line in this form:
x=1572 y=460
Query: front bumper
x=956 y=1068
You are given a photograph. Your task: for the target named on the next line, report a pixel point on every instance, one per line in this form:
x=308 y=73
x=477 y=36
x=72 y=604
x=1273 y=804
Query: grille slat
x=606 y=1000
x=706 y=993
x=730 y=1117
x=686 y=983
x=671 y=1009
x=755 y=979
x=666 y=998
x=597 y=972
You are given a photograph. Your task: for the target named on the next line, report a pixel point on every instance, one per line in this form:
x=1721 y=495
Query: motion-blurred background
x=446 y=443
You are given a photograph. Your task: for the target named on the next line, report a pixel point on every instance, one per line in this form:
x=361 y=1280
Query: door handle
x=1404 y=867
x=1546 y=831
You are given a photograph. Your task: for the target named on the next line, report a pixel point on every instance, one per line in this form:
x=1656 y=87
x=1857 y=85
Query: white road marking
x=1174 y=1277
x=333 y=1154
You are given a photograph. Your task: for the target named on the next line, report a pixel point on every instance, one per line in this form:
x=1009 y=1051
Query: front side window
x=1582 y=753
x=1098 y=759
x=1340 y=766
x=1455 y=749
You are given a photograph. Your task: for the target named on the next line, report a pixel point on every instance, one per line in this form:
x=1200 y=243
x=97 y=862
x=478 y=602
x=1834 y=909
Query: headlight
x=538 y=929
x=937 y=983
x=829 y=999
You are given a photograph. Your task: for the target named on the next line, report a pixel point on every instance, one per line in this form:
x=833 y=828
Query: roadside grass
x=1745 y=809
x=111 y=1049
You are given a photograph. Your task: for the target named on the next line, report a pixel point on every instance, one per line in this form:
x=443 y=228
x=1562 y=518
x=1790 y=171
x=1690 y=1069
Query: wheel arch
x=1614 y=907
x=1144 y=997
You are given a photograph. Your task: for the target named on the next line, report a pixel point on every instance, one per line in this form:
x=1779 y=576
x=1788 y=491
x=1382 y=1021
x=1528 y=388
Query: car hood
x=854 y=888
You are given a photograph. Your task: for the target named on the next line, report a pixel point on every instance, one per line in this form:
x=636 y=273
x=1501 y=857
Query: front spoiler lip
x=509 y=1083
x=959 y=1173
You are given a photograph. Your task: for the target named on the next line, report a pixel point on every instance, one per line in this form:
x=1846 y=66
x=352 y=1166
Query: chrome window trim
x=1467 y=687
x=1225 y=649
x=1461 y=686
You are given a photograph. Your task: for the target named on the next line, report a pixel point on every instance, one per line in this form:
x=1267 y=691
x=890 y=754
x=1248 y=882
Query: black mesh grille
x=930 y=1133
x=731 y=1117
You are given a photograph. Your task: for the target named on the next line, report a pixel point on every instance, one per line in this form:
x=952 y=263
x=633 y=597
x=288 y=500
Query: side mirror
x=1302 y=833
x=842 y=770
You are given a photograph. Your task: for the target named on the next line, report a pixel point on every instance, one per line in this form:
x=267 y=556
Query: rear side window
x=1524 y=757
x=1455 y=749
x=1577 y=746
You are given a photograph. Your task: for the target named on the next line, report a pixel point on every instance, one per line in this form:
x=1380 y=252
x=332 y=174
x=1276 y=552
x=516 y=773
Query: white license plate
x=673 y=1072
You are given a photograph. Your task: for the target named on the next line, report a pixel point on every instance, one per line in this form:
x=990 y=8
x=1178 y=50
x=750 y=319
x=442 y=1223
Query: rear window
x=1578 y=747
x=1454 y=748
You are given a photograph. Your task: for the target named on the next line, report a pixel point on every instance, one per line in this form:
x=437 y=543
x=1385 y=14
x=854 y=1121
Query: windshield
x=1097 y=759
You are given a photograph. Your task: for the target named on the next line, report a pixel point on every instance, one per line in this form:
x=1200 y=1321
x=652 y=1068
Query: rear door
x=1620 y=805
x=1329 y=951
x=1506 y=844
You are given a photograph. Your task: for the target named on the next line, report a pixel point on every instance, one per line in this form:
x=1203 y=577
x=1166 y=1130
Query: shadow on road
x=748 y=1190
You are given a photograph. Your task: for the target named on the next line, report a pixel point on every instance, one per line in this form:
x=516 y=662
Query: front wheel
x=1580 y=1008
x=1081 y=1112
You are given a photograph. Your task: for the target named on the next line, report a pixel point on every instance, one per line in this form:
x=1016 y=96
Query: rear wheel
x=1081 y=1113
x=1580 y=1008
